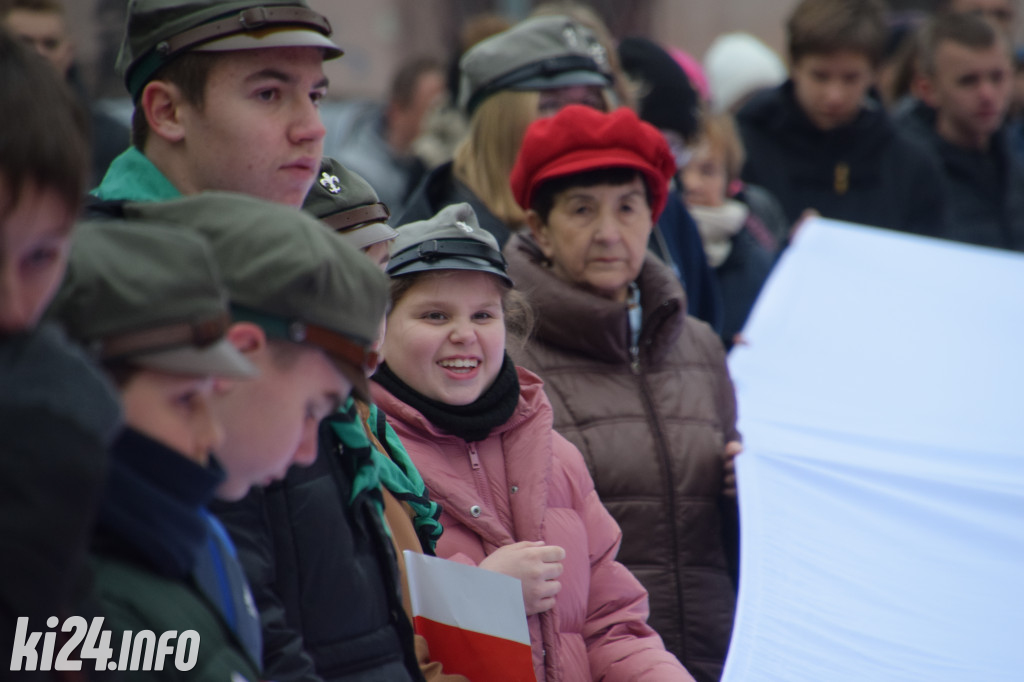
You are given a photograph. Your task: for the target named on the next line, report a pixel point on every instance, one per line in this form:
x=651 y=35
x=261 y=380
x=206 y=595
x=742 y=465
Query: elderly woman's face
x=597 y=236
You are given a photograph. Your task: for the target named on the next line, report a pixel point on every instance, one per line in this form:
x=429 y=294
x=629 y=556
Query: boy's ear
x=540 y=231
x=247 y=337
x=161 y=103
x=923 y=88
x=251 y=341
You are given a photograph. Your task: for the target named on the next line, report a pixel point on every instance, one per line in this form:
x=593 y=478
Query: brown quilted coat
x=652 y=423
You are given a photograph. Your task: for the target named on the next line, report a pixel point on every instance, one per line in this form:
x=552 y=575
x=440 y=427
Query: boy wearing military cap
x=146 y=301
x=346 y=203
x=350 y=206
x=225 y=98
x=307 y=308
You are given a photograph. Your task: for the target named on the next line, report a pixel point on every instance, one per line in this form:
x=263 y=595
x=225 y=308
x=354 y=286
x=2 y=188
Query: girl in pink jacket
x=517 y=497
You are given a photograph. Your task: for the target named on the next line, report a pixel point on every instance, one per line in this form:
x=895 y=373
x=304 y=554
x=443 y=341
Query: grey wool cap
x=285 y=272
x=450 y=240
x=536 y=54
x=157 y=31
x=349 y=205
x=147 y=295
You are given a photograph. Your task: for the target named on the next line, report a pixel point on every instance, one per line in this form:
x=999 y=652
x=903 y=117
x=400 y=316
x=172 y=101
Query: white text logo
x=141 y=650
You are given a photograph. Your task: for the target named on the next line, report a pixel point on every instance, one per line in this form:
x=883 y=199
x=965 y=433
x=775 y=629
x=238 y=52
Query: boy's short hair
x=830 y=26
x=43 y=128
x=190 y=73
x=969 y=30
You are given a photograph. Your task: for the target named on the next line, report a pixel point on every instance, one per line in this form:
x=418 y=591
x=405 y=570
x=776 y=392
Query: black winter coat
x=864 y=172
x=323 y=573
x=984 y=190
x=57 y=417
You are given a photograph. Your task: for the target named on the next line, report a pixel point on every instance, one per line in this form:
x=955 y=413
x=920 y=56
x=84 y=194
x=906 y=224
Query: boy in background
x=822 y=140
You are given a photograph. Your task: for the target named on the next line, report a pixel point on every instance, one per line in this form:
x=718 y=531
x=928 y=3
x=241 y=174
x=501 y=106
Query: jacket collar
x=583 y=323
x=154 y=504
x=133 y=177
x=527 y=455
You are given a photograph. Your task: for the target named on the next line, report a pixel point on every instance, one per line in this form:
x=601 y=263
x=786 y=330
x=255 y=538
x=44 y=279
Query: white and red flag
x=473 y=619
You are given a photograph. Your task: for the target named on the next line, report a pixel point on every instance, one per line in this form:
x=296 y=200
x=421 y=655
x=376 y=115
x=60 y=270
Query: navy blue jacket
x=864 y=172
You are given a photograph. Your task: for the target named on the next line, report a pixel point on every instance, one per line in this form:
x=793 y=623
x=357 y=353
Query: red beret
x=579 y=139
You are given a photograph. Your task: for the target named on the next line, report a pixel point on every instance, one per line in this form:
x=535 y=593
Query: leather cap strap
x=331 y=342
x=354 y=217
x=252 y=19
x=199 y=334
x=436 y=249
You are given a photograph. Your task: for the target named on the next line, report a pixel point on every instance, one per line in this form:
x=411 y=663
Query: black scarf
x=471 y=422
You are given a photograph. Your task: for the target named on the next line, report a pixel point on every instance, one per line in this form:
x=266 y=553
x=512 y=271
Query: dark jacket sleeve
x=284 y=655
x=926 y=205
x=57 y=416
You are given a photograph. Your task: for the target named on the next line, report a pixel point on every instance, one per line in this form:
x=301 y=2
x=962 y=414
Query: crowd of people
x=246 y=362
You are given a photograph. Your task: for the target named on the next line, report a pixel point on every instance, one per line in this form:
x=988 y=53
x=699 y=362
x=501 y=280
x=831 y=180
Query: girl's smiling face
x=446 y=335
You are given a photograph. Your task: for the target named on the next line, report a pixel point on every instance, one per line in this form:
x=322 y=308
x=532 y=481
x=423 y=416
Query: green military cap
x=537 y=54
x=150 y=296
x=288 y=274
x=347 y=203
x=157 y=31
x=450 y=240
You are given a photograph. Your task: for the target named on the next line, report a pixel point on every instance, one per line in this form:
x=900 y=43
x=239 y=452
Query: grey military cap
x=284 y=271
x=148 y=295
x=451 y=240
x=537 y=54
x=349 y=205
x=156 y=31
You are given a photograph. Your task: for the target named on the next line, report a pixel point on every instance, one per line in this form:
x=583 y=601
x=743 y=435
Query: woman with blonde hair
x=508 y=80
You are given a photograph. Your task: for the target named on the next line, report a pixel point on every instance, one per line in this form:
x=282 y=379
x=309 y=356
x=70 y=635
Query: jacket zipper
x=666 y=462
x=482 y=485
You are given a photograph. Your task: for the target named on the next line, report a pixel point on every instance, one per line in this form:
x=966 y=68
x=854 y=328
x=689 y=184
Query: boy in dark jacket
x=821 y=141
x=146 y=301
x=57 y=412
x=307 y=308
x=965 y=87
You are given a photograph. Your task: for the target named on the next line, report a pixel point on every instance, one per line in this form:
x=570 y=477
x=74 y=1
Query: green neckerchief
x=402 y=480
x=133 y=177
x=353 y=437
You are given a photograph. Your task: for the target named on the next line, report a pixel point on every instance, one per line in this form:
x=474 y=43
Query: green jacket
x=137 y=599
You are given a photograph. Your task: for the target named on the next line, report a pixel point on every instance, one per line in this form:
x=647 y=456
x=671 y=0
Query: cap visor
x=371 y=234
x=462 y=263
x=562 y=80
x=221 y=359
x=289 y=37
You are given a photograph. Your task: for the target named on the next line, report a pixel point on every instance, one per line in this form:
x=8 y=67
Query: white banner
x=881 y=400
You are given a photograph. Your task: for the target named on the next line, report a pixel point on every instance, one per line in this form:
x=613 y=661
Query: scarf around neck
x=473 y=422
x=717 y=226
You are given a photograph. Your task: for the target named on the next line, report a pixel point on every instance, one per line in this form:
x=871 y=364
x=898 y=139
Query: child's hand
x=536 y=565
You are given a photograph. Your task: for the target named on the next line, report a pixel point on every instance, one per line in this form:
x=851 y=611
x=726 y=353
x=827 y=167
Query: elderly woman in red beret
x=638 y=386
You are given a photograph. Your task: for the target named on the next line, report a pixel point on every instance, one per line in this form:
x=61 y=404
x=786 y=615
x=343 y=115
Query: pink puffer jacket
x=598 y=628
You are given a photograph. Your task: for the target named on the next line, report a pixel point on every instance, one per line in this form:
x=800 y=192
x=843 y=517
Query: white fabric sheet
x=882 y=483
